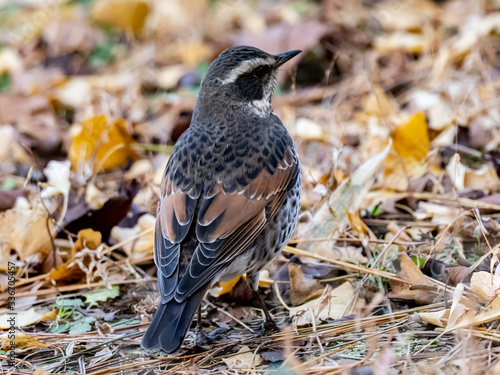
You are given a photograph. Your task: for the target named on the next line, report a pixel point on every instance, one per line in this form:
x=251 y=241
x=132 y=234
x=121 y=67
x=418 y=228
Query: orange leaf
x=100 y=145
x=411 y=139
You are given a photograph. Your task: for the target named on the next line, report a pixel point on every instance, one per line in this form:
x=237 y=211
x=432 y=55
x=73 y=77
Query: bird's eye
x=261 y=71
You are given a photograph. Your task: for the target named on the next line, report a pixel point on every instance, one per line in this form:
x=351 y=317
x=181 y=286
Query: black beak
x=283 y=57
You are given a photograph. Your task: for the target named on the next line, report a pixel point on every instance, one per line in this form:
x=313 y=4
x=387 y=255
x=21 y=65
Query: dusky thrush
x=230 y=195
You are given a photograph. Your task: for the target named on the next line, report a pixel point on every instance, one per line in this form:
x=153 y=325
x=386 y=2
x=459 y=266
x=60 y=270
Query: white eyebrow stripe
x=245 y=67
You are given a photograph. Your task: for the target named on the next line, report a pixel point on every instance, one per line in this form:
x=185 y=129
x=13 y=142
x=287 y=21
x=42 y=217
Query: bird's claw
x=266 y=327
x=203 y=338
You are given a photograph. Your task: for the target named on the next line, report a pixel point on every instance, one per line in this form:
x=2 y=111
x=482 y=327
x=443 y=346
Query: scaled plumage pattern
x=230 y=196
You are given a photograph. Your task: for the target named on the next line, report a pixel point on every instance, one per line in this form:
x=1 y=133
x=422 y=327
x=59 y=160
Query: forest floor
x=394 y=107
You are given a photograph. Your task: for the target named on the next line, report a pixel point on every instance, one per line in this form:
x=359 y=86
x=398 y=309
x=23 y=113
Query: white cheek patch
x=245 y=67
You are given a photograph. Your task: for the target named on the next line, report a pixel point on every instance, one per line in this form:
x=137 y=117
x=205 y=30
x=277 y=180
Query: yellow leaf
x=100 y=145
x=227 y=286
x=21 y=341
x=411 y=140
x=126 y=15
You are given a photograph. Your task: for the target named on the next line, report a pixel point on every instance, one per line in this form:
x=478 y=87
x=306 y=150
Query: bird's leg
x=202 y=338
x=269 y=323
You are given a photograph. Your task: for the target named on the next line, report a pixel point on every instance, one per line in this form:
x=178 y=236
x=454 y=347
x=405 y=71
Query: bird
x=230 y=193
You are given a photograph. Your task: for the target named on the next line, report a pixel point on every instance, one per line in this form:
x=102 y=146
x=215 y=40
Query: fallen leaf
x=25 y=318
x=58 y=179
x=302 y=288
x=438 y=318
x=25 y=232
x=486 y=285
x=484 y=178
x=101 y=356
x=40 y=371
x=410 y=139
x=34 y=118
x=333 y=304
x=98 y=145
x=346 y=199
x=70 y=271
x=412 y=274
x=344 y=253
x=81 y=216
x=378 y=104
x=309 y=130
x=408 y=42
x=141 y=245
x=8 y=197
x=244 y=359
x=126 y=15
x=227 y=286
x=20 y=341
x=101 y=295
x=438 y=213
x=8 y=140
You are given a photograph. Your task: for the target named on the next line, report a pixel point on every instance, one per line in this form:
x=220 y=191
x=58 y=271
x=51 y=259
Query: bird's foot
x=268 y=326
x=203 y=338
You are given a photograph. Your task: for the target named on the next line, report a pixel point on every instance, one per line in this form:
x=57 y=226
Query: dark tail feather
x=171 y=323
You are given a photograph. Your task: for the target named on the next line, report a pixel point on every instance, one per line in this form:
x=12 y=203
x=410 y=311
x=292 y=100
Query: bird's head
x=244 y=75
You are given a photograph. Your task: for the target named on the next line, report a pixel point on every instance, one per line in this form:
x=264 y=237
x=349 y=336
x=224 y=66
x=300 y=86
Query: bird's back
x=230 y=194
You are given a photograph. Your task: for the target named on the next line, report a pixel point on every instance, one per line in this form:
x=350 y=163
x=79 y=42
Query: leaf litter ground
x=393 y=106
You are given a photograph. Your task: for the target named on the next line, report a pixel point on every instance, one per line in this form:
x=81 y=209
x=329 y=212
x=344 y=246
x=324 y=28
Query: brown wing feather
x=226 y=223
x=231 y=222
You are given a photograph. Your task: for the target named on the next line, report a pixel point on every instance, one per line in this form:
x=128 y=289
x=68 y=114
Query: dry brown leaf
x=408 y=42
x=486 y=286
x=491 y=313
x=33 y=116
x=244 y=359
x=411 y=273
x=344 y=253
x=438 y=318
x=26 y=317
x=25 y=232
x=71 y=271
x=21 y=341
x=438 y=213
x=484 y=178
x=346 y=199
x=333 y=304
x=302 y=288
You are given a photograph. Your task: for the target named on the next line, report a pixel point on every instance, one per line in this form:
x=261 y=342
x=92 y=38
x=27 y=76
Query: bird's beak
x=283 y=57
